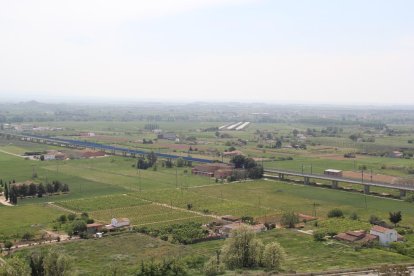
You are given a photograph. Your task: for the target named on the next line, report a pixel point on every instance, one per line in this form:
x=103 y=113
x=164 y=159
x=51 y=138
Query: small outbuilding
x=120 y=222
x=94 y=228
x=385 y=235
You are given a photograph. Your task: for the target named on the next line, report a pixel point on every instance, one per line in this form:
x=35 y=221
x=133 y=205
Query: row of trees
x=179 y=162
x=253 y=170
x=244 y=250
x=146 y=162
x=39 y=263
x=14 y=191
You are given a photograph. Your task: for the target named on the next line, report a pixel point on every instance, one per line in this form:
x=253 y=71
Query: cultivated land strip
x=53 y=205
x=181 y=209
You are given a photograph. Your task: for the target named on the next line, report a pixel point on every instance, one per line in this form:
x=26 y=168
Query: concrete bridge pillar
x=366 y=189
x=306 y=180
x=403 y=193
x=334 y=184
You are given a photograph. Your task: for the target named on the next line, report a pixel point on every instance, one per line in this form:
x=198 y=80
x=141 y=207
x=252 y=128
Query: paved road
x=341 y=179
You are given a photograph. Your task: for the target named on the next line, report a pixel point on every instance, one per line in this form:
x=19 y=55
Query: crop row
x=101 y=203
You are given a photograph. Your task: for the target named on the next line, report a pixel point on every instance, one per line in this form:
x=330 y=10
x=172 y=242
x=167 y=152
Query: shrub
x=319 y=235
x=354 y=216
x=213 y=267
x=335 y=213
x=273 y=256
x=289 y=219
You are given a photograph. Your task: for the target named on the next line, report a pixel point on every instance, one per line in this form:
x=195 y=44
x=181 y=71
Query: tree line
x=13 y=191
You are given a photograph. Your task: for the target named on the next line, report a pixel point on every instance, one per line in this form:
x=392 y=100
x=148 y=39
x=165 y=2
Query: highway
x=91 y=145
x=406 y=187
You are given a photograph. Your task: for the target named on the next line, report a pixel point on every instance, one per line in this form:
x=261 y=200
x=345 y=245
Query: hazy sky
x=306 y=51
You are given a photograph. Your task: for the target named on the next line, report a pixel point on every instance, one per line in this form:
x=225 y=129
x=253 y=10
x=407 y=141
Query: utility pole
x=139 y=178
x=371 y=175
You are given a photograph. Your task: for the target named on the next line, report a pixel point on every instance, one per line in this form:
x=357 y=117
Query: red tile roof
x=380 y=229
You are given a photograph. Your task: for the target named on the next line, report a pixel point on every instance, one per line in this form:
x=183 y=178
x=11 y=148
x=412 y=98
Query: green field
x=112 y=187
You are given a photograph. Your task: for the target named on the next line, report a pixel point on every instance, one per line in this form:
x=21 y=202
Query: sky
x=292 y=51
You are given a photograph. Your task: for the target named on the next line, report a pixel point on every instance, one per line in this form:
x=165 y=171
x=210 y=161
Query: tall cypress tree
x=6 y=191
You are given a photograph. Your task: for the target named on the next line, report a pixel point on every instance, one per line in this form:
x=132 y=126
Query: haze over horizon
x=319 y=52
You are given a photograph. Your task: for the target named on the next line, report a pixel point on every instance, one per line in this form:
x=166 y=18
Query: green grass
x=95 y=257
x=17 y=220
x=306 y=255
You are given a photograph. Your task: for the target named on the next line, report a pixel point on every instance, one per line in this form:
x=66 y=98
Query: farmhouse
x=120 y=222
x=218 y=170
x=332 y=172
x=356 y=236
x=94 y=228
x=168 y=136
x=385 y=235
x=54 y=155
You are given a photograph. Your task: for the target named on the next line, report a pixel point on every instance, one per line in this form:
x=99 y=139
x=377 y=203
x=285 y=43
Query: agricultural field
x=160 y=196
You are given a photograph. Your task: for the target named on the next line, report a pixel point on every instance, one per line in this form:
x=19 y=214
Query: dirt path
x=4 y=202
x=53 y=205
x=171 y=220
x=10 y=153
x=186 y=210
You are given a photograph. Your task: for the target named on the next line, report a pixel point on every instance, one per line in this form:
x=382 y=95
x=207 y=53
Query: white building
x=385 y=235
x=49 y=157
x=120 y=222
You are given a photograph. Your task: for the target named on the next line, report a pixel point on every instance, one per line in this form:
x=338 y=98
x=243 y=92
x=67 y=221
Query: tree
x=238 y=161
x=79 y=226
x=395 y=217
x=278 y=144
x=65 y=188
x=295 y=132
x=256 y=172
x=15 y=266
x=152 y=158
x=8 y=245
x=273 y=256
x=249 y=163
x=13 y=194
x=32 y=189
x=41 y=190
x=57 y=186
x=71 y=217
x=57 y=264
x=6 y=191
x=213 y=266
x=36 y=263
x=49 y=188
x=289 y=219
x=62 y=219
x=23 y=190
x=243 y=250
x=180 y=162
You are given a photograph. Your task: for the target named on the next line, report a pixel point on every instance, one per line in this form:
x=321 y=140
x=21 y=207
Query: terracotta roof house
x=93 y=228
x=385 y=235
